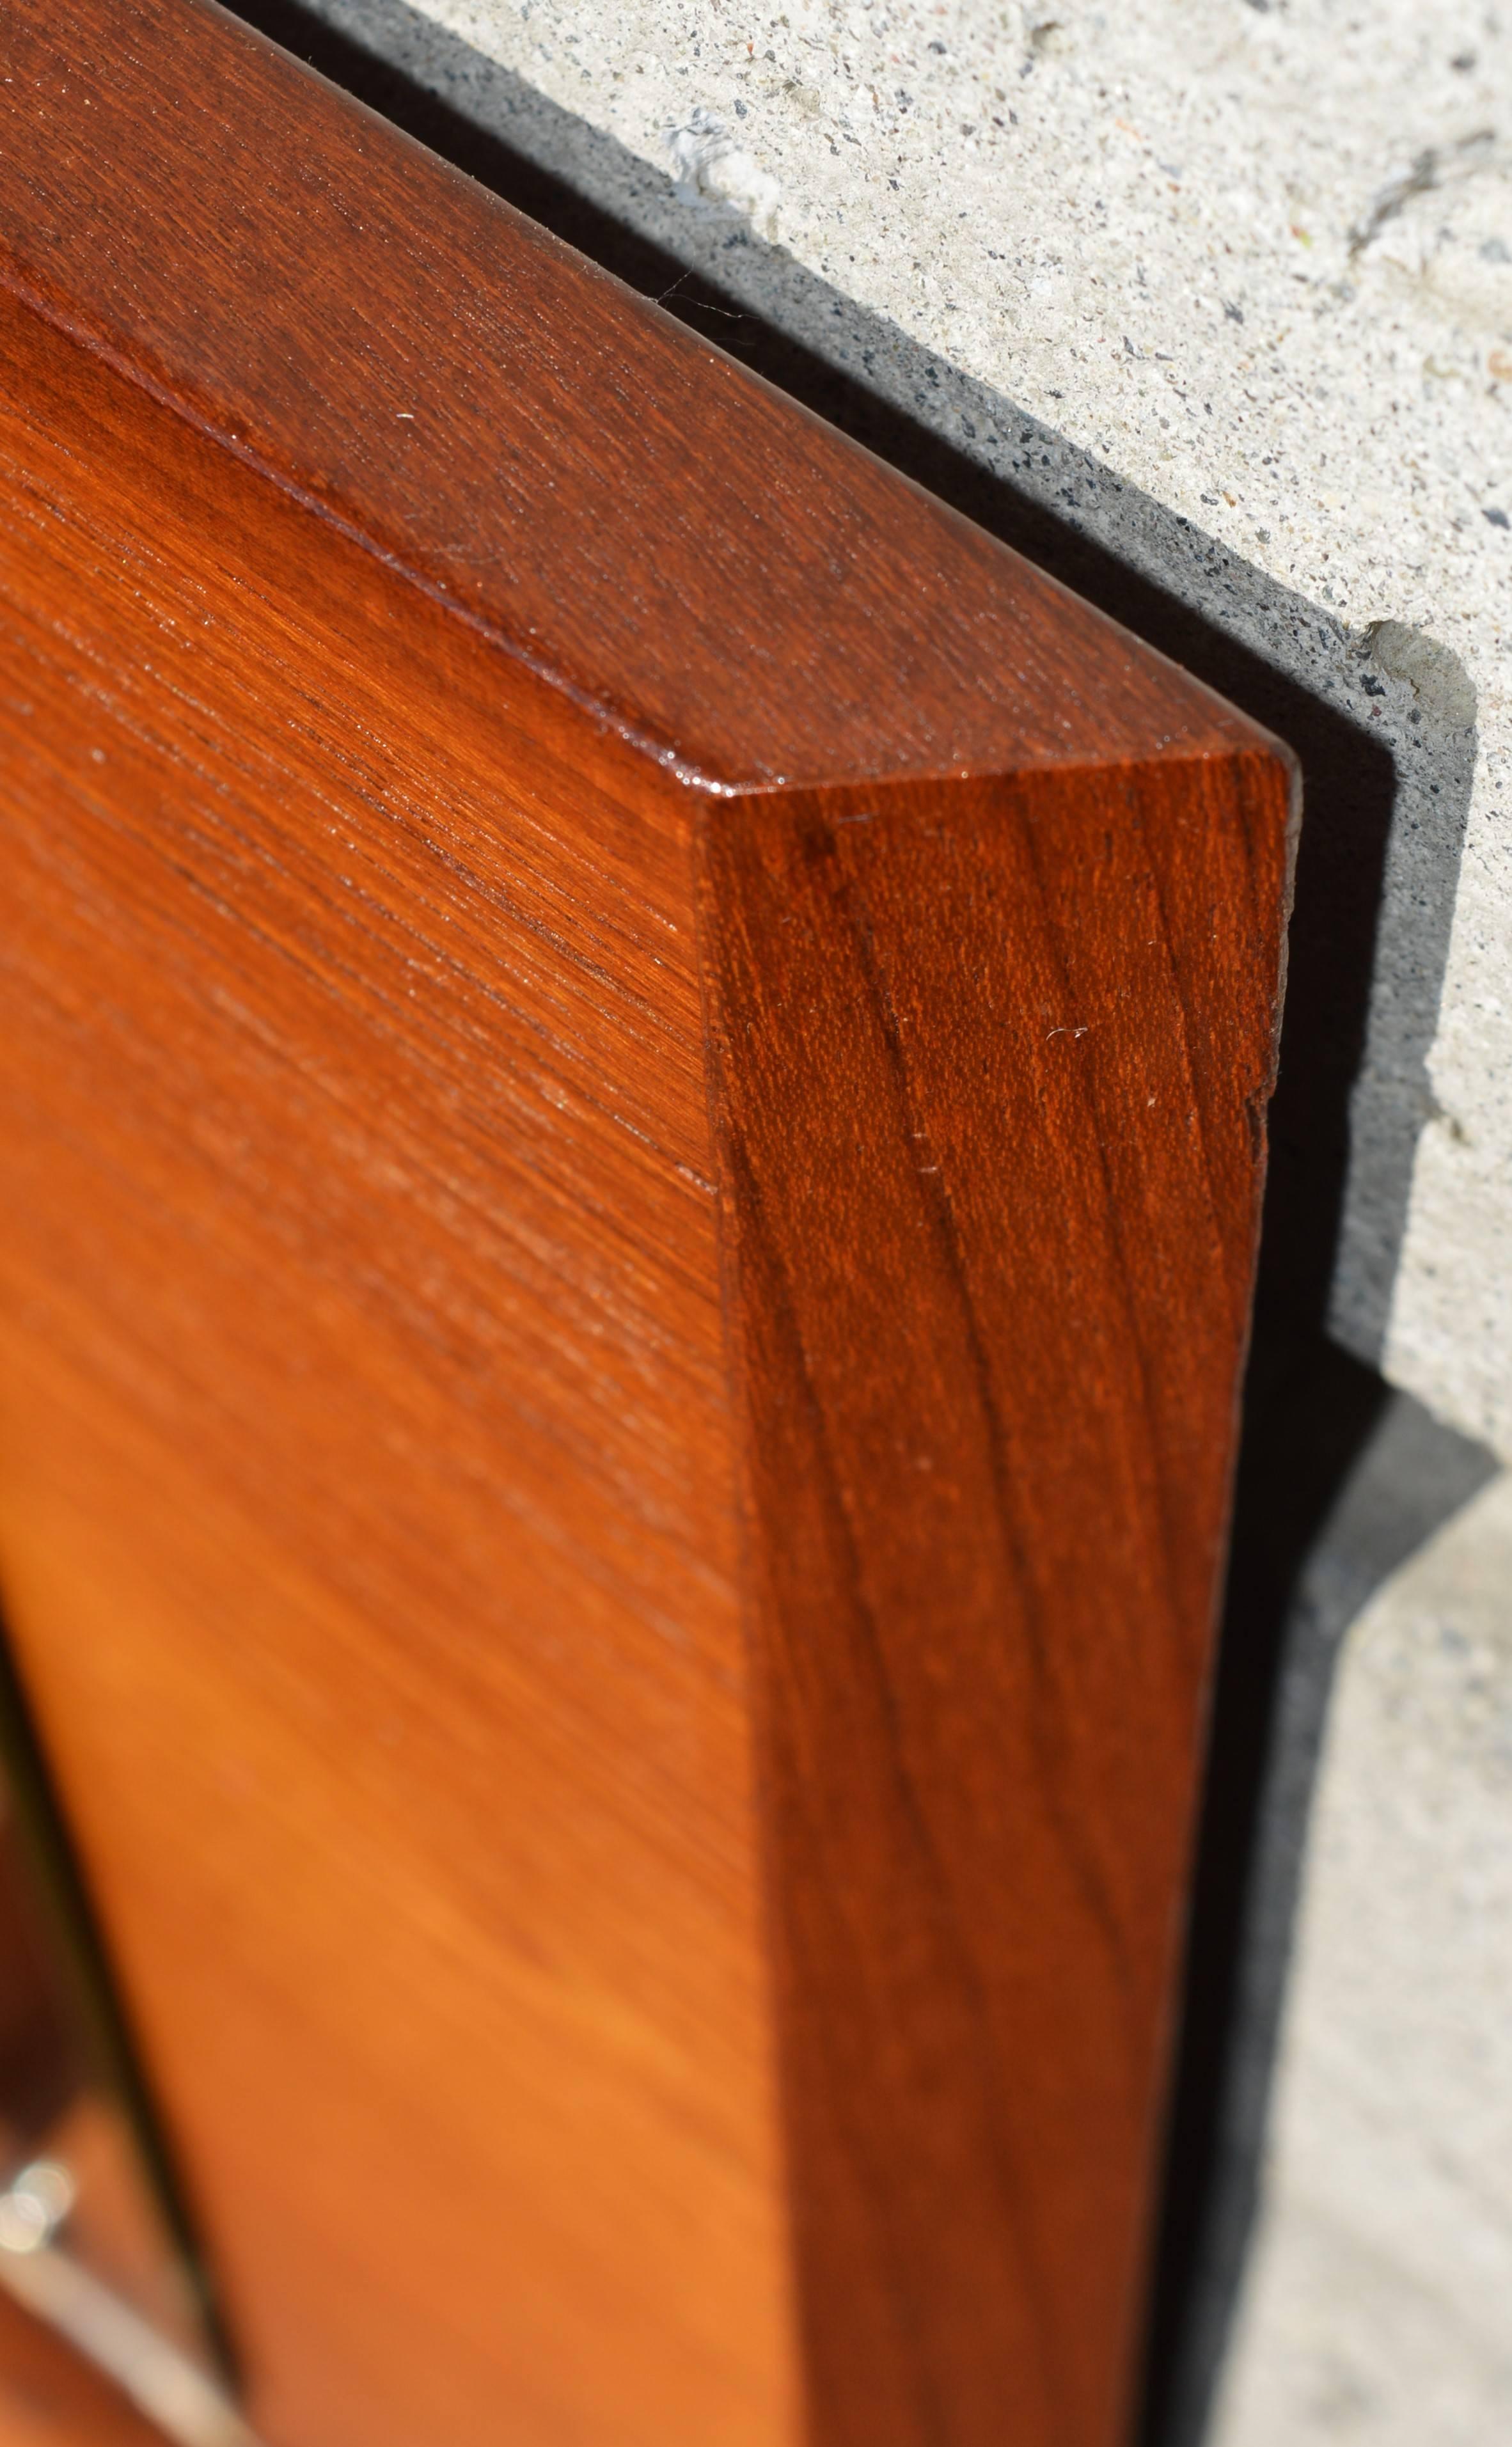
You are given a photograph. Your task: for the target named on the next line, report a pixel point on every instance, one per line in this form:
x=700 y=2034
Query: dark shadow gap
x=78 y=2026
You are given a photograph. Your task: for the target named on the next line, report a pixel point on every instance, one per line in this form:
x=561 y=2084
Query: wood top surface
x=707 y=569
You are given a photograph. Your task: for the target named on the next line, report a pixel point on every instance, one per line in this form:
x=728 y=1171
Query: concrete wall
x=1377 y=2305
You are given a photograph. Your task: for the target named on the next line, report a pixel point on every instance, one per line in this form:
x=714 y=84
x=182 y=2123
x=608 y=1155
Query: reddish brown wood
x=365 y=1480
x=615 y=1026
x=991 y=1086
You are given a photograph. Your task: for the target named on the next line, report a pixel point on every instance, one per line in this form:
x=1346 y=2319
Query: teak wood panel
x=630 y=1126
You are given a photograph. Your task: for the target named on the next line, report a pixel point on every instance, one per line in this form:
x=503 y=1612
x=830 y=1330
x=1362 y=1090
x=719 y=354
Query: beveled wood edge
x=201 y=371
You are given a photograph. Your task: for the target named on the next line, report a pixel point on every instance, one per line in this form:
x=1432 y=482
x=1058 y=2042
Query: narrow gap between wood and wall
x=96 y=2241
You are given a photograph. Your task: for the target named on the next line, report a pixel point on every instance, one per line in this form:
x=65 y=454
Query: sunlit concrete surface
x=1378 y=2306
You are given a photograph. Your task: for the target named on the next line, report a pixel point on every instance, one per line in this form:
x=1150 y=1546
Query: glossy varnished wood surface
x=599 y=489
x=366 y=1482
x=990 y=1319
x=629 y=1141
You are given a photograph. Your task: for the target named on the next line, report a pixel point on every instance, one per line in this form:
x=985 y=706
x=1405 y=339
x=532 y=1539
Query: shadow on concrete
x=1338 y=1479
x=1342 y=1480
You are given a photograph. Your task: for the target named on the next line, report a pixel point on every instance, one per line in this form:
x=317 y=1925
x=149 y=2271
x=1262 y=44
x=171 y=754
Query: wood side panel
x=366 y=1500
x=992 y=1061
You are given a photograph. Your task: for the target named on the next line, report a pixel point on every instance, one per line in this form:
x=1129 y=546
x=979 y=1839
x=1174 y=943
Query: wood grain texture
x=989 y=1098
x=689 y=557
x=630 y=1144
x=366 y=1483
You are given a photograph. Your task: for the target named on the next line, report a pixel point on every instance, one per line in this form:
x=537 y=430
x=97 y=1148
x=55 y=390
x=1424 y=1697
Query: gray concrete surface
x=1378 y=2304
x=1400 y=1513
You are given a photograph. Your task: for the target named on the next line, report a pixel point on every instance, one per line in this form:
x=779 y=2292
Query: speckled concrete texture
x=1226 y=285
x=1378 y=2307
